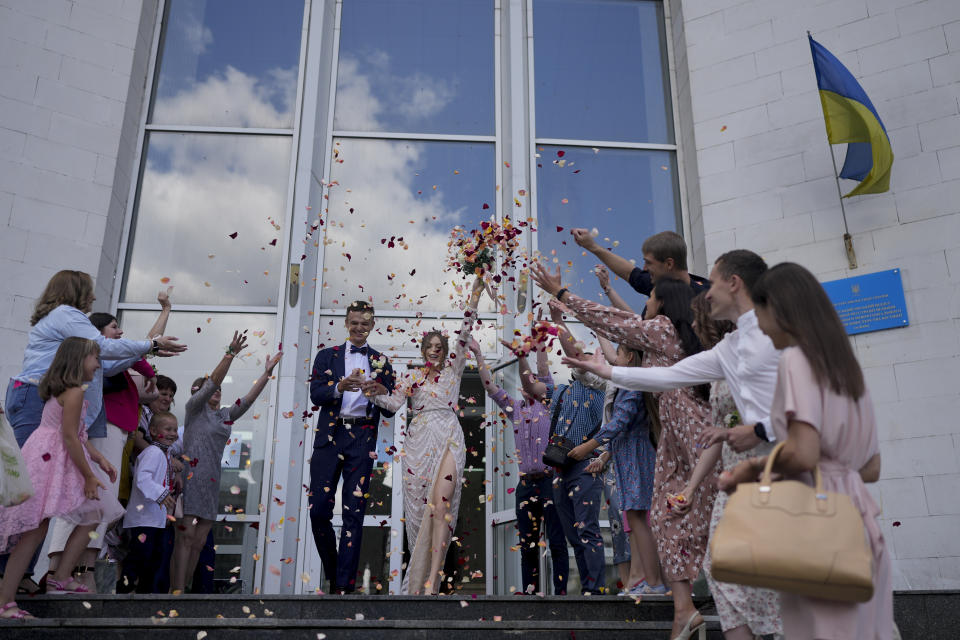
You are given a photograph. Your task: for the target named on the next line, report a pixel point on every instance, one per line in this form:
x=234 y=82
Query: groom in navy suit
x=345 y=378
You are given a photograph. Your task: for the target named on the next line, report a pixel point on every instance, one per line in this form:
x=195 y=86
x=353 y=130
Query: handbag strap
x=765 y=482
x=556 y=414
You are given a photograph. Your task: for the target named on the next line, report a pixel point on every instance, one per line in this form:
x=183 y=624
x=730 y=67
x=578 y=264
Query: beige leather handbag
x=791 y=537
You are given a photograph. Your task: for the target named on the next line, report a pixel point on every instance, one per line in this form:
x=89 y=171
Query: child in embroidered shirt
x=151 y=502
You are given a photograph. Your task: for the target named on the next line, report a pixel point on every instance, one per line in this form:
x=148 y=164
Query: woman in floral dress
x=666 y=338
x=434 y=450
x=744 y=611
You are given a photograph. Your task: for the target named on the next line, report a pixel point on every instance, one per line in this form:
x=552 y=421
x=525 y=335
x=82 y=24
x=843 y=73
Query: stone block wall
x=766 y=183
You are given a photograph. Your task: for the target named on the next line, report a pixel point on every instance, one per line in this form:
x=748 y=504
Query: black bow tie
x=356 y=349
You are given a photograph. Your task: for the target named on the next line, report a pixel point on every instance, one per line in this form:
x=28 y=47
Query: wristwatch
x=761 y=432
x=156 y=347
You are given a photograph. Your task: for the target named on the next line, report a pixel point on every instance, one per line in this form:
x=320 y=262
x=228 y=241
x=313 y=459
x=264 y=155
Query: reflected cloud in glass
x=229 y=63
x=422 y=66
x=600 y=71
x=626 y=194
x=417 y=191
x=198 y=190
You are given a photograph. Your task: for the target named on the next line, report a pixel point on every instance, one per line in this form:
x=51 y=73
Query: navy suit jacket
x=328 y=369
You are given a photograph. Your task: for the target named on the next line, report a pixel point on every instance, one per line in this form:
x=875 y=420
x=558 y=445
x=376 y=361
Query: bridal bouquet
x=474 y=252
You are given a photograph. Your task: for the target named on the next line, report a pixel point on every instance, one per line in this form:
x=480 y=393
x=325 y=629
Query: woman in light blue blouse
x=60 y=313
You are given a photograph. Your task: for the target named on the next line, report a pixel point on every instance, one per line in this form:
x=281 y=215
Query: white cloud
x=414 y=98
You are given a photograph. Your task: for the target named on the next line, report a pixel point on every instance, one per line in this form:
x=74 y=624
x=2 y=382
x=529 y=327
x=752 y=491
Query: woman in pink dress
x=823 y=411
x=66 y=483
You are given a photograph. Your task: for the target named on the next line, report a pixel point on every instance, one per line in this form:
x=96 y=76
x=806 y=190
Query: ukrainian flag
x=851 y=118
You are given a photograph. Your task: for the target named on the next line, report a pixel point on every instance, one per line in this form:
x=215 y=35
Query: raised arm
x=458 y=354
x=615 y=298
x=241 y=406
x=609 y=351
x=200 y=396
x=486 y=377
x=619 y=265
x=160 y=326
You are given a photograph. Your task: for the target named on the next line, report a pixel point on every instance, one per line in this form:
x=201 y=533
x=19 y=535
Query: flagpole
x=847 y=238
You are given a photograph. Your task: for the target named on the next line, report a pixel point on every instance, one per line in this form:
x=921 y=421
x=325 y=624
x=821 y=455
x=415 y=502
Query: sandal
x=11 y=611
x=55 y=587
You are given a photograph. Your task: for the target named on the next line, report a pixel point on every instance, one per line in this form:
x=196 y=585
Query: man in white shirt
x=745 y=358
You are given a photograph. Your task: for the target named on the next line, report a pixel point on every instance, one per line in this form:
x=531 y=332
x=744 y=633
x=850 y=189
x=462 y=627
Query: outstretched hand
x=272 y=362
x=169 y=346
x=547 y=280
x=585 y=239
x=603 y=276
x=474 y=347
x=164 y=298
x=238 y=343
x=594 y=364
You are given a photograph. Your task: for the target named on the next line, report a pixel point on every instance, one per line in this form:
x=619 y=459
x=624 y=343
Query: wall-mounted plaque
x=869 y=303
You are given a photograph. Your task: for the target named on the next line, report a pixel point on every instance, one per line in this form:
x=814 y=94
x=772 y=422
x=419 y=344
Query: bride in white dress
x=434 y=450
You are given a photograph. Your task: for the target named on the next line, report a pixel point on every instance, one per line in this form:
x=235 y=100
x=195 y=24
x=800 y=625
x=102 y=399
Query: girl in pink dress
x=66 y=482
x=823 y=412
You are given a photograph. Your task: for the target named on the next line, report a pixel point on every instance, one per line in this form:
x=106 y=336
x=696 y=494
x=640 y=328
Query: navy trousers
x=346 y=457
x=536 y=514
x=578 y=496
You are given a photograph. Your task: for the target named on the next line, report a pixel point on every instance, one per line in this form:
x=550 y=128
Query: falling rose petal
x=87 y=605
x=564 y=201
x=896 y=523
x=561 y=153
x=723 y=128
x=142 y=538
x=486 y=206
x=273 y=242
x=522 y=192
x=559 y=229
x=201 y=635
x=235 y=490
x=198 y=329
x=233 y=236
x=46 y=457
x=164 y=280
x=511 y=489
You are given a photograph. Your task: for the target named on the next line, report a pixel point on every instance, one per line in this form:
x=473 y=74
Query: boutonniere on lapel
x=378 y=362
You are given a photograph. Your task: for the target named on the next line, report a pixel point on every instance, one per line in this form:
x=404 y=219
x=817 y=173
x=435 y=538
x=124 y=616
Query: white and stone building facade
x=754 y=172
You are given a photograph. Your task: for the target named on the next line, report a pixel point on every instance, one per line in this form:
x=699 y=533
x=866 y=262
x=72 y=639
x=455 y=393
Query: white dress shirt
x=145 y=508
x=746 y=358
x=354 y=403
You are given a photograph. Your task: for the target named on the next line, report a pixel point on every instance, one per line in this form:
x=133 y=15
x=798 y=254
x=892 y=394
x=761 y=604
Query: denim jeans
x=577 y=496
x=536 y=514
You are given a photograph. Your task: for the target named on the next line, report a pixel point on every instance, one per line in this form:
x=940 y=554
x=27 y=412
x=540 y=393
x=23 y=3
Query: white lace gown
x=434 y=430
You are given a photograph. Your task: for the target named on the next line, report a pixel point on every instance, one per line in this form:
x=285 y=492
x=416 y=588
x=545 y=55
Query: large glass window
x=605 y=156
x=423 y=66
x=625 y=195
x=391 y=212
x=210 y=219
x=229 y=63
x=600 y=70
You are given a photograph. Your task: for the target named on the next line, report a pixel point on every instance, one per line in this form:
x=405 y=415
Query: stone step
x=290 y=629
x=530 y=608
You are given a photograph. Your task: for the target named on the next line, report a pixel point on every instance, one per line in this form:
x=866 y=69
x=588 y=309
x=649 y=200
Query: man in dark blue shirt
x=664 y=253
